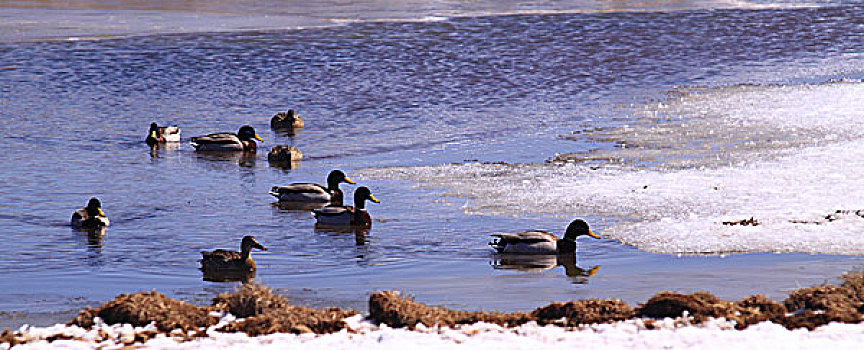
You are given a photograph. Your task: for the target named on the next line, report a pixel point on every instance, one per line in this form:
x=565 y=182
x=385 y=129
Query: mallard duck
x=221 y=260
x=286 y=120
x=347 y=215
x=226 y=141
x=91 y=216
x=163 y=134
x=313 y=193
x=542 y=242
x=284 y=154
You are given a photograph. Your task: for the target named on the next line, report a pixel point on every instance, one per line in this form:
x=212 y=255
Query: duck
x=314 y=193
x=221 y=260
x=284 y=155
x=286 y=120
x=542 y=242
x=227 y=141
x=163 y=134
x=346 y=215
x=90 y=217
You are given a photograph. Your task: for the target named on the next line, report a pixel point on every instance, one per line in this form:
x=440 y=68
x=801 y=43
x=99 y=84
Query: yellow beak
x=592 y=234
x=258 y=138
x=153 y=134
x=102 y=213
x=349 y=181
x=372 y=198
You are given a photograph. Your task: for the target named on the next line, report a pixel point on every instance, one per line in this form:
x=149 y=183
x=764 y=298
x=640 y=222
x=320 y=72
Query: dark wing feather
x=333 y=211
x=221 y=255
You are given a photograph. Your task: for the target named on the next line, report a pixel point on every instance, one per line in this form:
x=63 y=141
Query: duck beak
x=258 y=138
x=349 y=181
x=260 y=247
x=153 y=134
x=372 y=198
x=592 y=234
x=102 y=212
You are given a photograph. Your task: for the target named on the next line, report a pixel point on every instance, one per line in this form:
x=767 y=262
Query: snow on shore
x=631 y=334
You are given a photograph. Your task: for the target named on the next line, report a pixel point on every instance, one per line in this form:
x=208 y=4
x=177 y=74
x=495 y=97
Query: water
x=462 y=125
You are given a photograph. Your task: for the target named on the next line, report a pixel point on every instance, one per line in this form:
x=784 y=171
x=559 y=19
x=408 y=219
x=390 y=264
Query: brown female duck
x=231 y=261
x=340 y=216
x=286 y=120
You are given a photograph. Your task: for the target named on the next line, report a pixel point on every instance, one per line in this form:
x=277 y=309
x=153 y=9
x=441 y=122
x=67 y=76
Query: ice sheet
x=787 y=156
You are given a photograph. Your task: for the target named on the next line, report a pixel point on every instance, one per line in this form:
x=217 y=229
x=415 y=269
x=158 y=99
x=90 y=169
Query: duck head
x=250 y=242
x=247 y=133
x=578 y=228
x=154 y=130
x=336 y=177
x=361 y=195
x=94 y=208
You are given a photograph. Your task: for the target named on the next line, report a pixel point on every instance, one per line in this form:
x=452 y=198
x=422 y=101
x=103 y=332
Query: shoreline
x=255 y=311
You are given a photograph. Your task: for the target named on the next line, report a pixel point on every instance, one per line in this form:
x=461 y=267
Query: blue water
x=498 y=88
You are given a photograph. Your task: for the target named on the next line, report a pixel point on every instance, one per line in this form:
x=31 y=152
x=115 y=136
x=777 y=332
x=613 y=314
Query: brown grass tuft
x=574 y=313
x=390 y=308
x=699 y=305
x=267 y=313
x=755 y=309
x=295 y=319
x=252 y=299
x=139 y=309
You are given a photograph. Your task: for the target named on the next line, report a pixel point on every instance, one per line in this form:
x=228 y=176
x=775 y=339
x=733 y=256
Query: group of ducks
x=326 y=203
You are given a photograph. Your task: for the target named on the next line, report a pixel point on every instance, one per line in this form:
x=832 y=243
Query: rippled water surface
x=377 y=95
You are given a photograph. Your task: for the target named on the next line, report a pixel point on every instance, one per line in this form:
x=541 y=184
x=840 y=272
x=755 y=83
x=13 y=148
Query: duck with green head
x=346 y=215
x=242 y=141
x=313 y=193
x=228 y=261
x=161 y=134
x=91 y=216
x=542 y=242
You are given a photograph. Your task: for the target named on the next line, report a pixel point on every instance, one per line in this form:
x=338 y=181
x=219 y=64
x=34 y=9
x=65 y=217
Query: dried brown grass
x=263 y=312
x=390 y=308
x=139 y=309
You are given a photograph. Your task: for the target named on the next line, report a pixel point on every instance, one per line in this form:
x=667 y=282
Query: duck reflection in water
x=540 y=250
x=539 y=263
x=361 y=234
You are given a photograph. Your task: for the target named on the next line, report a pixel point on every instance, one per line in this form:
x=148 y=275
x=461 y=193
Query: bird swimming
x=161 y=134
x=314 y=193
x=242 y=141
x=90 y=217
x=286 y=120
x=228 y=261
x=346 y=215
x=542 y=242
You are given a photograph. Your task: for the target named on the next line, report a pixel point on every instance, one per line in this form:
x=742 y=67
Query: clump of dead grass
x=578 y=312
x=265 y=313
x=140 y=309
x=390 y=308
